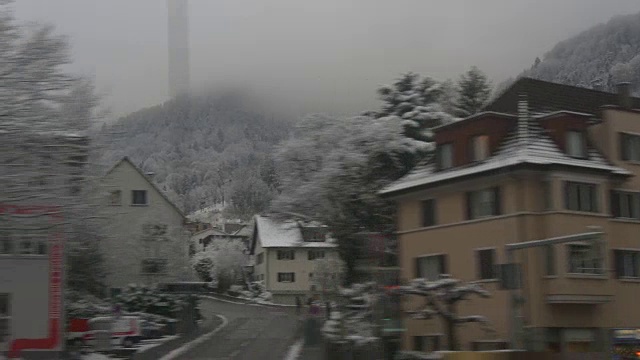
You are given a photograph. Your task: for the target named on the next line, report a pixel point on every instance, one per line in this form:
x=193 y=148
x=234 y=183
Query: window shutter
x=623 y=146
x=615 y=204
x=443 y=264
x=469 y=205
x=618 y=260
x=418 y=274
x=497 y=198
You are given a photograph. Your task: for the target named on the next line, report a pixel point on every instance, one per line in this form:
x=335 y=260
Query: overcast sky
x=312 y=56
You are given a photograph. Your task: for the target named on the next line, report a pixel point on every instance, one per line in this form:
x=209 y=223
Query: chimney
x=523 y=119
x=624 y=95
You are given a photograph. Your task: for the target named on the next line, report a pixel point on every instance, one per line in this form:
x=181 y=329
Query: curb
x=193 y=343
x=245 y=303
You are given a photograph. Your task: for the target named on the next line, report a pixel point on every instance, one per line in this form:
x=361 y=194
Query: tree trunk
x=452 y=337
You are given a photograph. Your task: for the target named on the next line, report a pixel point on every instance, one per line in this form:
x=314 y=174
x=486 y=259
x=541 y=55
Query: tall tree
x=44 y=109
x=474 y=90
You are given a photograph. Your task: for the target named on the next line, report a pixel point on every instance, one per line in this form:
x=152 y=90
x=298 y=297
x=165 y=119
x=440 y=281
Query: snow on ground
x=95 y=356
x=148 y=344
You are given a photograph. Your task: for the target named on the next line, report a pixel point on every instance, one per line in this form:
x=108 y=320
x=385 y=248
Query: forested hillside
x=597 y=58
x=203 y=149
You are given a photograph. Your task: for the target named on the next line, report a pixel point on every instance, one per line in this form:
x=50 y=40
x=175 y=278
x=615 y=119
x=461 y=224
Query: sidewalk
x=316 y=352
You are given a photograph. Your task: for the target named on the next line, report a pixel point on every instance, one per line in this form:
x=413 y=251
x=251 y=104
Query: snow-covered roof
x=272 y=232
x=209 y=232
x=537 y=149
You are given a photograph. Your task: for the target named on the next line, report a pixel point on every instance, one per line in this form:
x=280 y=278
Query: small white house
x=291 y=257
x=147 y=242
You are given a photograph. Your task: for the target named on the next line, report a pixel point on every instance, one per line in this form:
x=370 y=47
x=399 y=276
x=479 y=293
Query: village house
x=284 y=254
x=544 y=162
x=147 y=242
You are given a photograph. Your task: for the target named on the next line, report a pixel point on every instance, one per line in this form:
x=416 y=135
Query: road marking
x=193 y=343
x=295 y=350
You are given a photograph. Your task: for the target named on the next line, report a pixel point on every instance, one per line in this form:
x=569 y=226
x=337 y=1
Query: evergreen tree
x=473 y=92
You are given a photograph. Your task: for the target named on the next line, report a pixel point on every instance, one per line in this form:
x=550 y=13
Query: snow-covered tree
x=473 y=92
x=327 y=274
x=353 y=322
x=440 y=298
x=45 y=149
x=225 y=260
x=417 y=102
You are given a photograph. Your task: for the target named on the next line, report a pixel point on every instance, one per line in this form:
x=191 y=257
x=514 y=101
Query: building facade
x=147 y=242
x=294 y=259
x=556 y=161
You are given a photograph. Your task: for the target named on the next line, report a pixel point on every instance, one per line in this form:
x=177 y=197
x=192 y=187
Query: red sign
x=56 y=256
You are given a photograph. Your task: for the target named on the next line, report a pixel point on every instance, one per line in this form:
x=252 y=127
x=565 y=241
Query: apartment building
x=291 y=257
x=147 y=242
x=543 y=161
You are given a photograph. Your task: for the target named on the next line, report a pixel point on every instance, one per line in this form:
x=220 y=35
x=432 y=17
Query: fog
x=310 y=56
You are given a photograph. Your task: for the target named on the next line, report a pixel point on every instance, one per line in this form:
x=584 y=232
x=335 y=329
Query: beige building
x=146 y=242
x=286 y=256
x=544 y=161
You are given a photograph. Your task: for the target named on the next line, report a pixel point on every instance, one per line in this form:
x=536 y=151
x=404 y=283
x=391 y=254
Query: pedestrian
x=328 y=309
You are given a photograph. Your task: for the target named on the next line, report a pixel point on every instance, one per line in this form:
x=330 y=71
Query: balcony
x=586 y=289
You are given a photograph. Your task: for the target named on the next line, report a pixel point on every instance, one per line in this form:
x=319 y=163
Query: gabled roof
x=545 y=97
x=142 y=174
x=538 y=149
x=283 y=233
x=209 y=232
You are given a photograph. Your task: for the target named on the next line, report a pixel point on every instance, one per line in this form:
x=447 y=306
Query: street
x=253 y=332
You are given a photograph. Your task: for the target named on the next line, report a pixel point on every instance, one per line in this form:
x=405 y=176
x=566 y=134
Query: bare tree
x=440 y=300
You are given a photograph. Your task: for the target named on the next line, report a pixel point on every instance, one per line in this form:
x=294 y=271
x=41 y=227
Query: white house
x=147 y=241
x=286 y=257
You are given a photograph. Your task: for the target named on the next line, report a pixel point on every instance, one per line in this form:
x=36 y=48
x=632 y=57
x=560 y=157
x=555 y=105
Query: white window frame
x=479 y=147
x=483 y=207
x=580 y=199
x=576 y=144
x=624 y=210
x=427 y=257
x=574 y=268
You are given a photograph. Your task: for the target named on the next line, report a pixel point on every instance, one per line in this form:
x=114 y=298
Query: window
x=259 y=258
x=629 y=147
x=32 y=243
x=584 y=259
x=139 y=197
x=154 y=266
x=310 y=275
x=286 y=255
x=581 y=197
x=489 y=345
x=431 y=266
x=428 y=343
x=486 y=264
x=6 y=243
x=625 y=204
x=627 y=263
x=479 y=148
x=576 y=144
x=550 y=260
x=444 y=155
x=5 y=318
x=287 y=277
x=428 y=212
x=483 y=203
x=315 y=254
x=115 y=198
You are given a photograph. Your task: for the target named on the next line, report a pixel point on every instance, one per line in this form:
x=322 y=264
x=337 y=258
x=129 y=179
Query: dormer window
x=445 y=156
x=479 y=148
x=576 y=144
